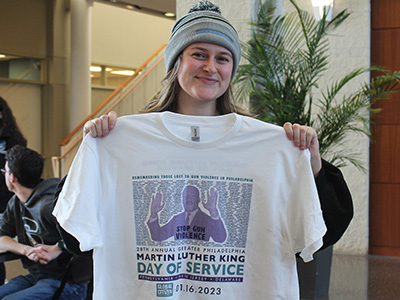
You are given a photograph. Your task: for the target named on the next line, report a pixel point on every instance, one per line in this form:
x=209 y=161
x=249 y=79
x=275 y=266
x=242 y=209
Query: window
x=20 y=68
x=109 y=76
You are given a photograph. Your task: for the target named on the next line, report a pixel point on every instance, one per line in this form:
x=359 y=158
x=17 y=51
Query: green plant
x=286 y=57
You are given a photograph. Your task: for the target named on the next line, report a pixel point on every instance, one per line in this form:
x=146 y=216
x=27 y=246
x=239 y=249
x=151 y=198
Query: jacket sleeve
x=71 y=243
x=336 y=202
x=8 y=220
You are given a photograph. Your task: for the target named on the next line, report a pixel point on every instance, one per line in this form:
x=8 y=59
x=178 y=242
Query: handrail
x=134 y=85
x=117 y=90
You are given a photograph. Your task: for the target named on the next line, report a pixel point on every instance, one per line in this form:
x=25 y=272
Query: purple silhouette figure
x=192 y=223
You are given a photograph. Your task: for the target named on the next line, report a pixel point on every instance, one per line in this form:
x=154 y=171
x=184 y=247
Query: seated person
x=28 y=217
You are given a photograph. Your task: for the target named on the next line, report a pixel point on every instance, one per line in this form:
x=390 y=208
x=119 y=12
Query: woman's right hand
x=100 y=127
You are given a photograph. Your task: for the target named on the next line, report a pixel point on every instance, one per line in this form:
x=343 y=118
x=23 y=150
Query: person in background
x=10 y=135
x=28 y=217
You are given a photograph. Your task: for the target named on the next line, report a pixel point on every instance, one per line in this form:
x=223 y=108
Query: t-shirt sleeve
x=77 y=208
x=305 y=221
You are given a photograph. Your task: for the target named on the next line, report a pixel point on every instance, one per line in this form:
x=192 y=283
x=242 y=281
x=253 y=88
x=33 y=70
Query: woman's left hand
x=305 y=137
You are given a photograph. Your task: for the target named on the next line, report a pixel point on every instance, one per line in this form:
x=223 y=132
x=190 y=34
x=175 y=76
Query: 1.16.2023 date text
x=198 y=290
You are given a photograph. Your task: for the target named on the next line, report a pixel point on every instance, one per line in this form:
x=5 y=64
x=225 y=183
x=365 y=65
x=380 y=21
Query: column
x=80 y=61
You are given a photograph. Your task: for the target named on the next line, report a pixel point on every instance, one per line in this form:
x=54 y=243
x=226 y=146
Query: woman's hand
x=305 y=137
x=100 y=127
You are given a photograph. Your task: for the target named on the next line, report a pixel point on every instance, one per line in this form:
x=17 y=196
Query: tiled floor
x=364 y=278
x=14 y=268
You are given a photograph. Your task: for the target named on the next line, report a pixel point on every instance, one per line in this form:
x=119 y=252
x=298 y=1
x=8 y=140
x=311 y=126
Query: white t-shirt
x=266 y=202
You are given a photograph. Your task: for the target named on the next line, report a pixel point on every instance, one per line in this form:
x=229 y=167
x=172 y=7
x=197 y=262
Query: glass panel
x=13 y=67
x=116 y=76
x=109 y=76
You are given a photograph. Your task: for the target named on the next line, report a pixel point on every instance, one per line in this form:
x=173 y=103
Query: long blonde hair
x=168 y=97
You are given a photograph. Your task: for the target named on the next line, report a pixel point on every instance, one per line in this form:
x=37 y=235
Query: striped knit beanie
x=203 y=24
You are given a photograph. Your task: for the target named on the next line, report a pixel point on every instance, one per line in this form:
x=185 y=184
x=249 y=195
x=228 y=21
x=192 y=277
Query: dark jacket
x=32 y=223
x=336 y=202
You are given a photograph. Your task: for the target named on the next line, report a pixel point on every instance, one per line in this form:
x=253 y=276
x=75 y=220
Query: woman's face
x=205 y=73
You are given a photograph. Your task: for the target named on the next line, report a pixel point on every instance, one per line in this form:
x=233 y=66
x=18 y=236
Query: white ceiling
x=160 y=5
x=154 y=7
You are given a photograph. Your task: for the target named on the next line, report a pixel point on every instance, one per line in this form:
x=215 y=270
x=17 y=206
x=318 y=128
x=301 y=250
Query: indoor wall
x=23 y=34
x=385 y=149
x=120 y=37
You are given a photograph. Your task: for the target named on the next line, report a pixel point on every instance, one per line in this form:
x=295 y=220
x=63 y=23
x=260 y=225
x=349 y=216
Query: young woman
x=198 y=82
x=264 y=188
